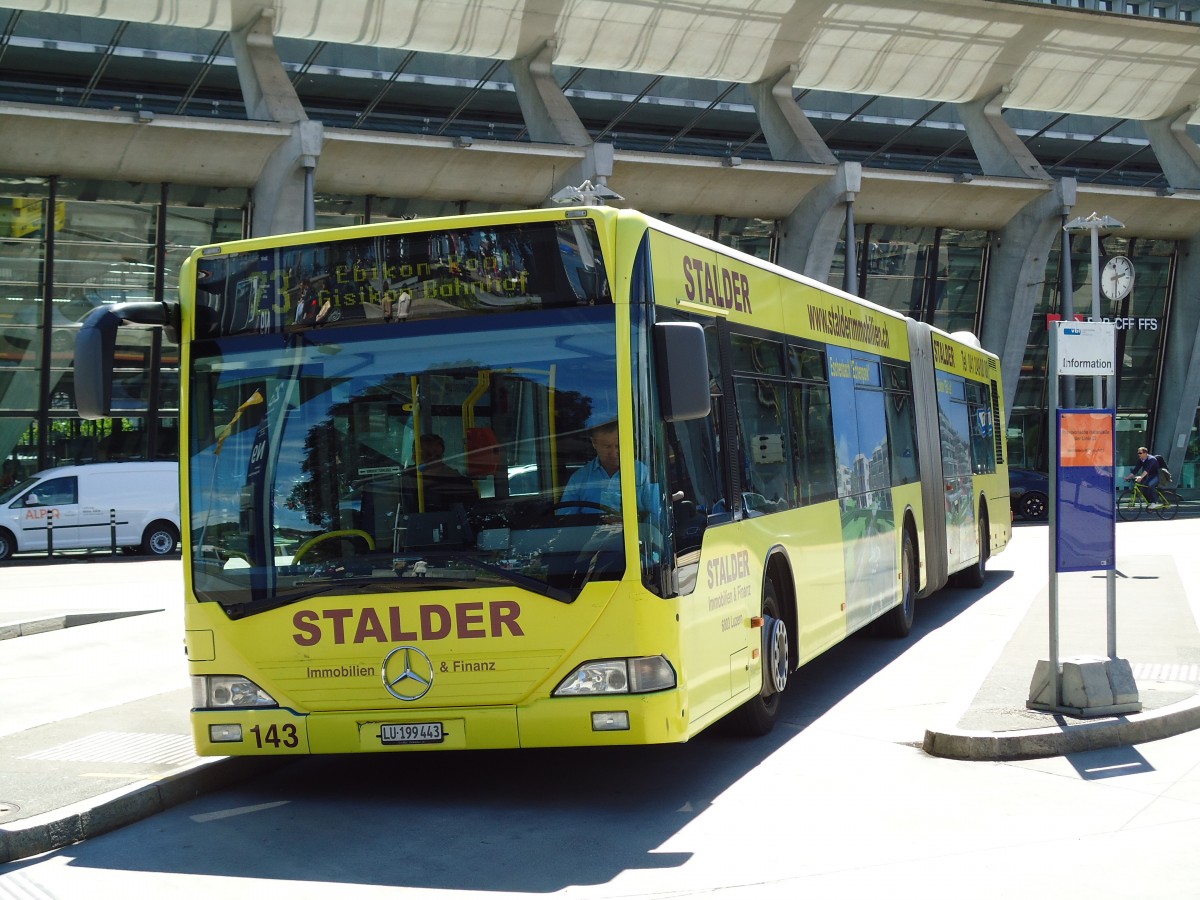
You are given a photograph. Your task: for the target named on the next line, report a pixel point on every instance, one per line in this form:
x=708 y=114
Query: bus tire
x=756 y=717
x=897 y=622
x=973 y=576
x=159 y=539
x=8 y=545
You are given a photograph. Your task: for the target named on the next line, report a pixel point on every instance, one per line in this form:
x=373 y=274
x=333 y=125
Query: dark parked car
x=1029 y=493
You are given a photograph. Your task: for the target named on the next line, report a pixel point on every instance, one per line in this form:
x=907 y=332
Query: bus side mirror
x=95 y=348
x=682 y=363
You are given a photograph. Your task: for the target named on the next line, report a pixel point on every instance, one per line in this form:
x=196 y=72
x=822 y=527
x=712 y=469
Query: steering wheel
x=332 y=535
x=582 y=505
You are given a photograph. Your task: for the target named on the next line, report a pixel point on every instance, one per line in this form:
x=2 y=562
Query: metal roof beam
x=102 y=64
x=471 y=95
x=903 y=131
x=698 y=117
x=205 y=68
x=629 y=107
x=382 y=92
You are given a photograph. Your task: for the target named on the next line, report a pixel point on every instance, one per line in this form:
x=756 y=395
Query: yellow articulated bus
x=556 y=477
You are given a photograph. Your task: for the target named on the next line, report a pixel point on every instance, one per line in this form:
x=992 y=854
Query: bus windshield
x=364 y=460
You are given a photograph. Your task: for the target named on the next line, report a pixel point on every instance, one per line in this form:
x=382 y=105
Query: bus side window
x=696 y=470
x=696 y=480
x=983 y=448
x=812 y=436
x=766 y=466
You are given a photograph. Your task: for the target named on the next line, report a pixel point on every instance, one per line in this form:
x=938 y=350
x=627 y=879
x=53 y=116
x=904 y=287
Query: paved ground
x=94 y=694
x=1157 y=586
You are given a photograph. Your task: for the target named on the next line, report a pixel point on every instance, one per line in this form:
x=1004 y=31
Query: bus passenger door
x=962 y=541
x=707 y=557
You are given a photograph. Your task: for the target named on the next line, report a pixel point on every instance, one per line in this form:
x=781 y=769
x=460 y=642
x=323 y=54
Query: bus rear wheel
x=897 y=622
x=757 y=716
x=973 y=576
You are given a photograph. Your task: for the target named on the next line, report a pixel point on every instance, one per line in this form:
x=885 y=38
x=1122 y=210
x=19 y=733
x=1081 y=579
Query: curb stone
x=1073 y=737
x=89 y=818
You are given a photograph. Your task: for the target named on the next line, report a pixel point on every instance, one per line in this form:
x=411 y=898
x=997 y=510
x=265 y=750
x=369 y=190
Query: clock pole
x=1094 y=224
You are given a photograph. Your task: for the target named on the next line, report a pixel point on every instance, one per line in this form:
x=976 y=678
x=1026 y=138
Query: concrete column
x=1179 y=393
x=1177 y=153
x=596 y=166
x=282 y=201
x=551 y=119
x=1016 y=276
x=790 y=136
x=548 y=113
x=997 y=147
x=283 y=191
x=266 y=88
x=811 y=231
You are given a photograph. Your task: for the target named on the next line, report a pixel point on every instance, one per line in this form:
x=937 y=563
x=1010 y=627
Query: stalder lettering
x=943 y=354
x=729 y=567
x=705 y=283
x=428 y=622
x=974 y=364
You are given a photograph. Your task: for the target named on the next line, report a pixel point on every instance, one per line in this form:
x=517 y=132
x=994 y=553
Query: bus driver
x=599 y=481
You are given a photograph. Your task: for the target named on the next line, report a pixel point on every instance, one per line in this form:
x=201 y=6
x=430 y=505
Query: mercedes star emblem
x=407 y=673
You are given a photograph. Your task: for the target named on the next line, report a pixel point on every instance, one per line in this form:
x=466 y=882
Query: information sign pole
x=1082 y=445
x=1054 y=668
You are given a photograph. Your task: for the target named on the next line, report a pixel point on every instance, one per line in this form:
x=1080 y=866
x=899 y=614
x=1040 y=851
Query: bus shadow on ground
x=527 y=821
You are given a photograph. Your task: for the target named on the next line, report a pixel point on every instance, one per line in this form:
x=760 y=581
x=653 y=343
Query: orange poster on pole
x=1085 y=439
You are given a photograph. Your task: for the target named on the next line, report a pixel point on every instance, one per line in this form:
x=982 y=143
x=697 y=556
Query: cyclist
x=1146 y=472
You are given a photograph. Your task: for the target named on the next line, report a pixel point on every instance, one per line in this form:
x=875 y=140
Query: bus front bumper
x=611 y=720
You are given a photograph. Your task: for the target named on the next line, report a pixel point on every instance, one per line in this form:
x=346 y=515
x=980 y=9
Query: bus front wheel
x=757 y=716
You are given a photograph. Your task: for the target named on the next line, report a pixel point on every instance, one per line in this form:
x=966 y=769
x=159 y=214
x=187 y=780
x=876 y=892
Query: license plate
x=411 y=733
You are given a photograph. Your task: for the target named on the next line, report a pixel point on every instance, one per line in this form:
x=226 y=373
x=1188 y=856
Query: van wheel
x=757 y=716
x=159 y=539
x=8 y=546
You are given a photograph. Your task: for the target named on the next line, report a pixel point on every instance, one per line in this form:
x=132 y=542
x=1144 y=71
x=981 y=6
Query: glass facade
x=1141 y=320
x=70 y=246
x=83 y=244
x=934 y=275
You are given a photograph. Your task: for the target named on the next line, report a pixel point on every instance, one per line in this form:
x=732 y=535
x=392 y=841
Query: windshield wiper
x=523 y=581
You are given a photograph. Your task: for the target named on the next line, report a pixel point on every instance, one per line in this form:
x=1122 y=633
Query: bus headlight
x=227 y=692
x=640 y=675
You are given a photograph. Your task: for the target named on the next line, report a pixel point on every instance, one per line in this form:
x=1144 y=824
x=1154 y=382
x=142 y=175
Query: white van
x=79 y=504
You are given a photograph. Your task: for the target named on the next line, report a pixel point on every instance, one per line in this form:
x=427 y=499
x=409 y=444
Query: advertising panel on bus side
x=961 y=359
x=828 y=318
x=689 y=275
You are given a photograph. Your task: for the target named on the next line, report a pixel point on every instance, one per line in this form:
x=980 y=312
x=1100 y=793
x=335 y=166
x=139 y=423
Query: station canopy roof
x=879 y=80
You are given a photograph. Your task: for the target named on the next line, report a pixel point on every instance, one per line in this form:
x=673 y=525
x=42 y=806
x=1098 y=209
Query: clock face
x=1116 y=280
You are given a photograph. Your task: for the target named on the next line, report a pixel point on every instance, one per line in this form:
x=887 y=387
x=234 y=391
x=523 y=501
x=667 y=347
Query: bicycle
x=1132 y=500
